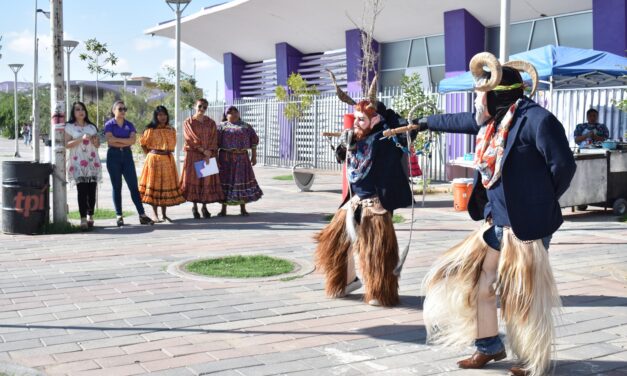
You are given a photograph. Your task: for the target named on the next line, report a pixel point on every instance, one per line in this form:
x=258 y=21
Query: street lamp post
x=69 y=46
x=178 y=6
x=35 y=110
x=125 y=76
x=15 y=68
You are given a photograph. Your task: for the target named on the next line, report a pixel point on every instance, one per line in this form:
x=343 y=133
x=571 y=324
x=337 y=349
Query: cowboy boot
x=479 y=360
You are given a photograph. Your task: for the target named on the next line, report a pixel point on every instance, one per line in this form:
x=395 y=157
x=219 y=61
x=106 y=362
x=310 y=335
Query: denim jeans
x=489 y=345
x=494 y=237
x=120 y=164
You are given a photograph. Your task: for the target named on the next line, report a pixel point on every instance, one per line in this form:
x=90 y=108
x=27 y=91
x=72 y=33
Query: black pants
x=86 y=198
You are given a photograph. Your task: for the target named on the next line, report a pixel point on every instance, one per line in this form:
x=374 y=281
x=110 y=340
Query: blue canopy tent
x=560 y=67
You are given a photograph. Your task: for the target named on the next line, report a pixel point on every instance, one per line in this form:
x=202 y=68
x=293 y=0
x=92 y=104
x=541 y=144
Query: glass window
x=492 y=40
x=418 y=55
x=391 y=78
x=437 y=75
x=575 y=31
x=394 y=55
x=519 y=37
x=543 y=34
x=435 y=47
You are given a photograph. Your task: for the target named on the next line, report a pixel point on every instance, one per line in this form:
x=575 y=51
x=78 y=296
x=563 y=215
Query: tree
x=98 y=57
x=190 y=93
x=7 y=117
x=411 y=95
x=299 y=96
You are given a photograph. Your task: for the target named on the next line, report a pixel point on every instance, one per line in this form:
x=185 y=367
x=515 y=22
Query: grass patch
x=61 y=228
x=241 y=266
x=284 y=177
x=397 y=218
x=100 y=214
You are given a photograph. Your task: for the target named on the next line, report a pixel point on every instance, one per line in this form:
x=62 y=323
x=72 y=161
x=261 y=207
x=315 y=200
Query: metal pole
x=67 y=85
x=57 y=108
x=177 y=94
x=35 y=110
x=17 y=144
x=504 y=37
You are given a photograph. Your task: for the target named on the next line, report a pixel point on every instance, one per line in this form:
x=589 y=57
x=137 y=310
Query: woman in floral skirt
x=84 y=168
x=235 y=139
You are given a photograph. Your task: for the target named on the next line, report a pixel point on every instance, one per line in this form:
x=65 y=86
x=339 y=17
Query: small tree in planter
x=298 y=96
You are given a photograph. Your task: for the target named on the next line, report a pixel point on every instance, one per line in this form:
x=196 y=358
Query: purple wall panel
x=464 y=36
x=456 y=102
x=288 y=59
x=233 y=68
x=609 y=26
x=354 y=56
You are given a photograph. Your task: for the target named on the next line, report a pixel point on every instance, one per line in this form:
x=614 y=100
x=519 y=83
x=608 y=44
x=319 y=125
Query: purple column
x=609 y=26
x=464 y=36
x=288 y=59
x=354 y=56
x=233 y=68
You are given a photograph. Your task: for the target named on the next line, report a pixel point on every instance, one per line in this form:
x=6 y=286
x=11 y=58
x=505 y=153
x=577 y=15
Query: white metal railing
x=307 y=145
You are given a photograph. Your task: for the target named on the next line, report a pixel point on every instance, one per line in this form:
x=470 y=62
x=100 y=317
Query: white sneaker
x=374 y=302
x=83 y=223
x=355 y=285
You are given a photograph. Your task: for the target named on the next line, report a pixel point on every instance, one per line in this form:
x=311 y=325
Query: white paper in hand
x=206 y=169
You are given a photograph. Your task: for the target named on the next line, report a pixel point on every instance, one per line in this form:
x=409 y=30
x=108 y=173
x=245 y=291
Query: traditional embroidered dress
x=200 y=134
x=83 y=165
x=236 y=172
x=158 y=184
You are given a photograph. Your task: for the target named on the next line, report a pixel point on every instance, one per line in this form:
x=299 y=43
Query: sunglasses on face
x=202 y=107
x=122 y=109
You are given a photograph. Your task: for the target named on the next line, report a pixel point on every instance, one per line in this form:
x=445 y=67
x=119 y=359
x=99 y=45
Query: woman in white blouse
x=84 y=167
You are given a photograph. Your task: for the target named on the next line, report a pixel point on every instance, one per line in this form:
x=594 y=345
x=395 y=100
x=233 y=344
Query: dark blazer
x=391 y=183
x=537 y=168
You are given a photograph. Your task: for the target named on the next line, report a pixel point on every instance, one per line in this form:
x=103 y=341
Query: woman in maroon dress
x=201 y=143
x=235 y=138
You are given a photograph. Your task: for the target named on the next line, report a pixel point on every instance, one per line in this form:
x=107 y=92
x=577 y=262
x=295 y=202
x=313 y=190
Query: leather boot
x=479 y=360
x=518 y=371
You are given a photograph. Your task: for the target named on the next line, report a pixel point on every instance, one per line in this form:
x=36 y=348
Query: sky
x=118 y=23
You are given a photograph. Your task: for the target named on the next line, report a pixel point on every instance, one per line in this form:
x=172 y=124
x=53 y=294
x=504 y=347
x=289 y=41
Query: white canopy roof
x=251 y=28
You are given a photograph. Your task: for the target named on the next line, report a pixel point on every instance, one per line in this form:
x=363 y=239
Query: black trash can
x=25 y=196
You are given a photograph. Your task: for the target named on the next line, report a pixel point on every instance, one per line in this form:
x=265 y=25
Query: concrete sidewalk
x=103 y=303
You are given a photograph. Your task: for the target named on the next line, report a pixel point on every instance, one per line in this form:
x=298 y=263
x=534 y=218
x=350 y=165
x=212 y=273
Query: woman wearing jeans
x=120 y=134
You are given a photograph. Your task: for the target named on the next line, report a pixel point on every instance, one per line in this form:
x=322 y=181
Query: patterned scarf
x=490 y=147
x=359 y=161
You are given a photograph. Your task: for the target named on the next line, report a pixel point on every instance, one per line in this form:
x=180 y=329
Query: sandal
x=222 y=214
x=195 y=213
x=244 y=214
x=167 y=219
x=205 y=213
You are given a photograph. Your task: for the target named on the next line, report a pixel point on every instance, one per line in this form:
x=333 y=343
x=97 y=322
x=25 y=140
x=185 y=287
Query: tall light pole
x=57 y=112
x=125 y=75
x=504 y=36
x=15 y=68
x=35 y=110
x=69 y=46
x=178 y=6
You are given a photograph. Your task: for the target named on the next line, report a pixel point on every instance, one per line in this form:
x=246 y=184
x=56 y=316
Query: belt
x=121 y=149
x=236 y=151
x=160 y=152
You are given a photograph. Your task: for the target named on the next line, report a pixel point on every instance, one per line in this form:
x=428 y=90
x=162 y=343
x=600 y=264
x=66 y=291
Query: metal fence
x=286 y=144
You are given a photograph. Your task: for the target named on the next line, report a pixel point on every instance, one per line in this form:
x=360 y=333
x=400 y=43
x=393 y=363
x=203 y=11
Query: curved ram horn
x=524 y=66
x=340 y=93
x=476 y=65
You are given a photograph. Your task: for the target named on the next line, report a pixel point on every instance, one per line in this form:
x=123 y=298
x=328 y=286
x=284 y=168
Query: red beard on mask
x=366 y=118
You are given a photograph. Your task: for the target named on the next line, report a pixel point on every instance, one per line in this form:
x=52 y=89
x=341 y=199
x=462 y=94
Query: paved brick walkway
x=102 y=303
